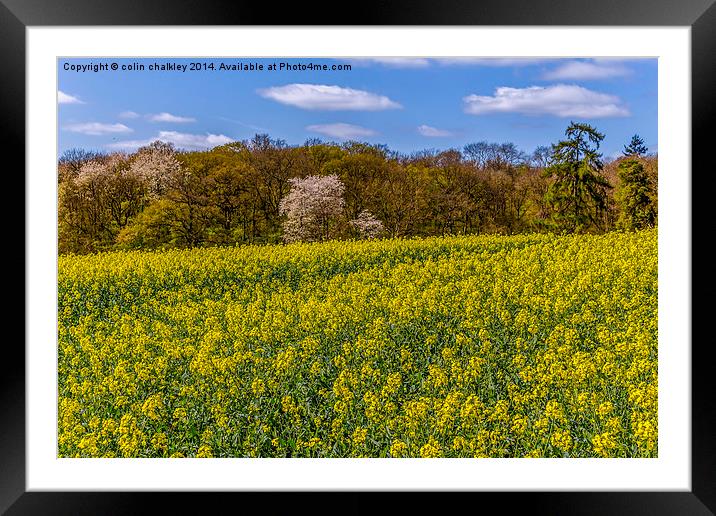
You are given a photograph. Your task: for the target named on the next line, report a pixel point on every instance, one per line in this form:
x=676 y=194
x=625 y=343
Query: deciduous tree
x=312 y=208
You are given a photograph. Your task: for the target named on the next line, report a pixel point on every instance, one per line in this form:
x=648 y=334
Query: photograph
x=360 y=257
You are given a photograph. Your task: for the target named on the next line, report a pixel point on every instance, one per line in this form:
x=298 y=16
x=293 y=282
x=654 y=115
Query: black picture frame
x=700 y=15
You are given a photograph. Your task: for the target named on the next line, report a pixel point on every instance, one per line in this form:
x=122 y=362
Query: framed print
x=426 y=250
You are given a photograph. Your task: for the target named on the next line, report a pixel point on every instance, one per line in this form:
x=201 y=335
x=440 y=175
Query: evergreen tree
x=634 y=196
x=578 y=194
x=636 y=147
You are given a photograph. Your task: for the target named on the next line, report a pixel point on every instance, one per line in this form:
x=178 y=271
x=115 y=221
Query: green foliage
x=153 y=228
x=578 y=193
x=634 y=196
x=159 y=197
x=636 y=147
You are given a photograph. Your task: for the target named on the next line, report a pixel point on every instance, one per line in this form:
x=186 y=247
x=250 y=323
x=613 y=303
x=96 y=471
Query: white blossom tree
x=155 y=164
x=312 y=208
x=367 y=225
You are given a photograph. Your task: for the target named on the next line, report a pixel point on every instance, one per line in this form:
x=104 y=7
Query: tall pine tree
x=634 y=194
x=578 y=193
x=636 y=147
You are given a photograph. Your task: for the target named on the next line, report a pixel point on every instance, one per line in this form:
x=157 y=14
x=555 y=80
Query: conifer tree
x=634 y=194
x=636 y=147
x=578 y=194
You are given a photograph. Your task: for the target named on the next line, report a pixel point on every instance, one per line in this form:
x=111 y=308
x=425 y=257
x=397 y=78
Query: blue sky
x=409 y=104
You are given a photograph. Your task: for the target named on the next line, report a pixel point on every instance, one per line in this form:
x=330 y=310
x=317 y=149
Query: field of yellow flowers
x=473 y=346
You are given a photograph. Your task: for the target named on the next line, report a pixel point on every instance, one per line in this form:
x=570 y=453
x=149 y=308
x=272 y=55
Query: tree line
x=264 y=191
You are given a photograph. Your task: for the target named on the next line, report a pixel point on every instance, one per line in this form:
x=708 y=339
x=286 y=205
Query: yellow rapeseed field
x=473 y=346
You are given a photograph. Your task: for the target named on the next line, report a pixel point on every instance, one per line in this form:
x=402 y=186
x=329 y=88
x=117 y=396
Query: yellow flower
x=152 y=406
x=561 y=439
x=467 y=346
x=313 y=442
x=359 y=436
x=554 y=410
x=605 y=408
x=603 y=444
x=258 y=387
x=519 y=424
x=431 y=449
x=160 y=442
x=398 y=448
x=204 y=451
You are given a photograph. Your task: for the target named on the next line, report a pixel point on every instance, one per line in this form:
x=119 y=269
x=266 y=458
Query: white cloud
x=585 y=70
x=130 y=145
x=65 y=98
x=432 y=132
x=491 y=61
x=562 y=100
x=194 y=141
x=342 y=131
x=128 y=114
x=180 y=140
x=394 y=62
x=96 y=128
x=328 y=98
x=168 y=117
